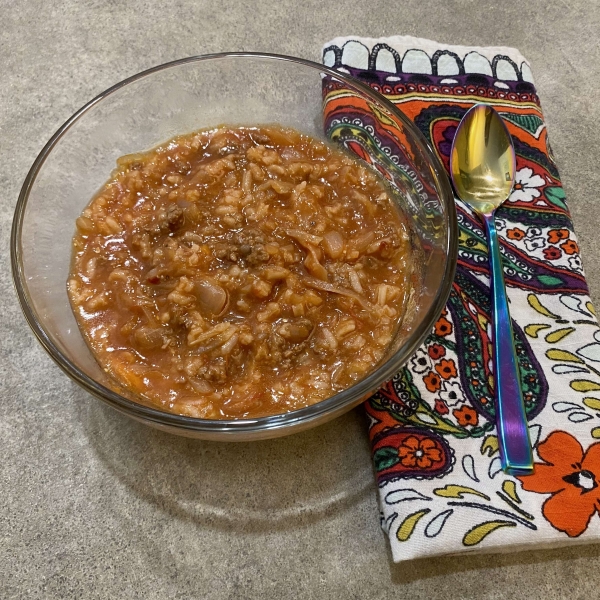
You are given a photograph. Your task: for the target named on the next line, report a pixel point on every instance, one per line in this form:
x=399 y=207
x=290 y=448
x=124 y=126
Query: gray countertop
x=93 y=505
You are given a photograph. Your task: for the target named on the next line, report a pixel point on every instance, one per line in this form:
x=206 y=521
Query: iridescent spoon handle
x=511 y=421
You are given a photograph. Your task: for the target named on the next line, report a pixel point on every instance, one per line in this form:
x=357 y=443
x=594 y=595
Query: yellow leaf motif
x=592 y=403
x=563 y=355
x=559 y=334
x=590 y=307
x=510 y=489
x=381 y=116
x=457 y=491
x=479 y=532
x=583 y=385
x=533 y=330
x=489 y=445
x=483 y=322
x=408 y=525
x=539 y=307
x=596 y=433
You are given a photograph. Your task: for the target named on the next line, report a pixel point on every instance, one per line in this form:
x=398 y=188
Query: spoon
x=482 y=166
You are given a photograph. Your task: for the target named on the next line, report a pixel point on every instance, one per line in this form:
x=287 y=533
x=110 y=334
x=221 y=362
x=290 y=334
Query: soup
x=240 y=272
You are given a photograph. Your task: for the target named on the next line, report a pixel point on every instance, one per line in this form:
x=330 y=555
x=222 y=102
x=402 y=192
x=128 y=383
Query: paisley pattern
x=433 y=424
x=402 y=452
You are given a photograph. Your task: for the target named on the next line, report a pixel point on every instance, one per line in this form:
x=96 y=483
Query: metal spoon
x=482 y=166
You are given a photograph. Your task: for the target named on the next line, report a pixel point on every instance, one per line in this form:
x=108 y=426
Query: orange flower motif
x=555 y=235
x=515 y=234
x=572 y=478
x=570 y=247
x=436 y=351
x=466 y=416
x=552 y=253
x=443 y=327
x=432 y=381
x=440 y=406
x=446 y=368
x=415 y=453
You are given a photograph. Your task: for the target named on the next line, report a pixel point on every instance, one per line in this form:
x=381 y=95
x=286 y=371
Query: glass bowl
x=202 y=92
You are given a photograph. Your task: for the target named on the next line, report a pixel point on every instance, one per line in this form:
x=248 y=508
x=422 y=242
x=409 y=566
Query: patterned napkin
x=435 y=450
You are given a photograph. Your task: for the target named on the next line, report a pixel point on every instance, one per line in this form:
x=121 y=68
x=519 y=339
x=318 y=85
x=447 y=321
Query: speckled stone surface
x=96 y=506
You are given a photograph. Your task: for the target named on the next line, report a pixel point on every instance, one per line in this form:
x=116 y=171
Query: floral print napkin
x=434 y=445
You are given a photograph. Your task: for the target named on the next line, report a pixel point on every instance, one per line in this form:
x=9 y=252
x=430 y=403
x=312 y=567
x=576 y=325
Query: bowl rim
x=332 y=405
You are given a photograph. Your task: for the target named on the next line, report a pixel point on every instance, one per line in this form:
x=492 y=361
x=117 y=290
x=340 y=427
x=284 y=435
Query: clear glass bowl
x=201 y=92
